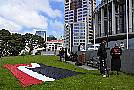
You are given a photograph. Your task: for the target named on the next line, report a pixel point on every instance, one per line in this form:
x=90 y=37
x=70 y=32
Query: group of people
x=115 y=52
x=65 y=56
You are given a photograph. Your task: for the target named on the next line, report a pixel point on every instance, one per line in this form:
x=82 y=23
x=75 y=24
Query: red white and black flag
x=35 y=73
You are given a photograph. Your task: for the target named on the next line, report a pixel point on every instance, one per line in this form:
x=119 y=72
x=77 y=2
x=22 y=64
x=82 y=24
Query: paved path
x=83 y=66
x=48 y=53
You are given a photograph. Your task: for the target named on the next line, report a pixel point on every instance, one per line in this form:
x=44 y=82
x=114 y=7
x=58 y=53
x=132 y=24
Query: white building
x=54 y=45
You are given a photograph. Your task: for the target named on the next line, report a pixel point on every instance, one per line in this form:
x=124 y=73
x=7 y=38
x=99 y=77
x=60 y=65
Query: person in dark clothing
x=0 y=53
x=61 y=54
x=79 y=48
x=116 y=52
x=66 y=56
x=75 y=57
x=102 y=57
x=71 y=56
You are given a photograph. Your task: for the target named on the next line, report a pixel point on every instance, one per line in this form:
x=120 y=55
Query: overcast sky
x=27 y=16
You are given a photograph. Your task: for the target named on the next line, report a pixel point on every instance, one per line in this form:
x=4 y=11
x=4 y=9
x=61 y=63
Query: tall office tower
x=78 y=22
x=42 y=34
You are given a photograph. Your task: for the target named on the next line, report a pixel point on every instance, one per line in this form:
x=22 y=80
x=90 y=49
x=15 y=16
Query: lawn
x=91 y=80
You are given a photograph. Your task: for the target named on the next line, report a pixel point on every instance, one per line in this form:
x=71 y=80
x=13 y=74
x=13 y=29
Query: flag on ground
x=35 y=73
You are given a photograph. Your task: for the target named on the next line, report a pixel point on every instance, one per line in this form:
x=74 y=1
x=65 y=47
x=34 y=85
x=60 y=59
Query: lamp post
x=127 y=23
x=107 y=24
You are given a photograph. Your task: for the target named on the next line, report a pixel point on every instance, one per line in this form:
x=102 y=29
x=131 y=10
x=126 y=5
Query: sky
x=27 y=16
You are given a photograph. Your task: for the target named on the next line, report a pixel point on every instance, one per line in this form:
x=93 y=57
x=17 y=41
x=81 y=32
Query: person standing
x=116 y=52
x=62 y=54
x=66 y=56
x=0 y=52
x=75 y=57
x=102 y=57
x=122 y=46
x=71 y=57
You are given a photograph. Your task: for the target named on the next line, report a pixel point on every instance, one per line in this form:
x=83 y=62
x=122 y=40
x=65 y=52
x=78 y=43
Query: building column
x=86 y=34
x=133 y=16
x=130 y=15
x=113 y=19
x=70 y=30
x=96 y=25
x=102 y=22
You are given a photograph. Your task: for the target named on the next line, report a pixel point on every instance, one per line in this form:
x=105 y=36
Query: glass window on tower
x=84 y=8
x=85 y=12
x=84 y=5
x=84 y=2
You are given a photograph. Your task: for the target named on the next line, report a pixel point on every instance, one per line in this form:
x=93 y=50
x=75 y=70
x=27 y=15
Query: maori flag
x=35 y=73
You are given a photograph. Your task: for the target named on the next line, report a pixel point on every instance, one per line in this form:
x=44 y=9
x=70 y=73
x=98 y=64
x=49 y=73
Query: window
x=85 y=12
x=76 y=34
x=84 y=8
x=84 y=2
x=76 y=43
x=82 y=37
x=80 y=16
x=71 y=15
x=76 y=30
x=82 y=30
x=80 y=10
x=84 y=5
x=76 y=40
x=80 y=19
x=80 y=13
x=66 y=18
x=85 y=15
x=81 y=33
x=76 y=37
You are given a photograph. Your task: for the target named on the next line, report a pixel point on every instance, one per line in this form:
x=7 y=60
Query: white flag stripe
x=34 y=65
x=35 y=74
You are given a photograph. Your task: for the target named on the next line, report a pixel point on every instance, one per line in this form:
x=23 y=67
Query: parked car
x=91 y=48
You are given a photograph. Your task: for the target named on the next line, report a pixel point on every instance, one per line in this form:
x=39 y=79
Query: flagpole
x=127 y=23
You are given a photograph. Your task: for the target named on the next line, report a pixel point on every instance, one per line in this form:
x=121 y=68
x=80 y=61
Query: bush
x=38 y=53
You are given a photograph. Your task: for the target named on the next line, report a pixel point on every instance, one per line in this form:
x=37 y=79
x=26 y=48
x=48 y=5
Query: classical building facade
x=78 y=22
x=53 y=45
x=113 y=18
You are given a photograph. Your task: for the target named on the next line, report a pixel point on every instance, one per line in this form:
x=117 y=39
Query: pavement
x=48 y=53
x=83 y=66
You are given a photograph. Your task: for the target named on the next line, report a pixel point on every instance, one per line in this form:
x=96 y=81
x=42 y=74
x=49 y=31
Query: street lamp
x=107 y=23
x=127 y=23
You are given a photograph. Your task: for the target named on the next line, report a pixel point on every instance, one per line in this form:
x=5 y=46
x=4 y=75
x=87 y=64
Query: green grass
x=91 y=80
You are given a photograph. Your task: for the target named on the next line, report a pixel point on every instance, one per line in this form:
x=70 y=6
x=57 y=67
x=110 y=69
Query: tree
x=14 y=43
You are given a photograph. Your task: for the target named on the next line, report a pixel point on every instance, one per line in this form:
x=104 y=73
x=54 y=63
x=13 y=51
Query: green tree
x=14 y=43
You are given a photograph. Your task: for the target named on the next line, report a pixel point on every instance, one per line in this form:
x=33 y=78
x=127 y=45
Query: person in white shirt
x=122 y=46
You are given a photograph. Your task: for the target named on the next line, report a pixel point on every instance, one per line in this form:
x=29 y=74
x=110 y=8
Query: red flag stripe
x=24 y=78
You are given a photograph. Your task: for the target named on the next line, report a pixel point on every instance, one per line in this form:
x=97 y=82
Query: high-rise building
x=42 y=33
x=78 y=22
